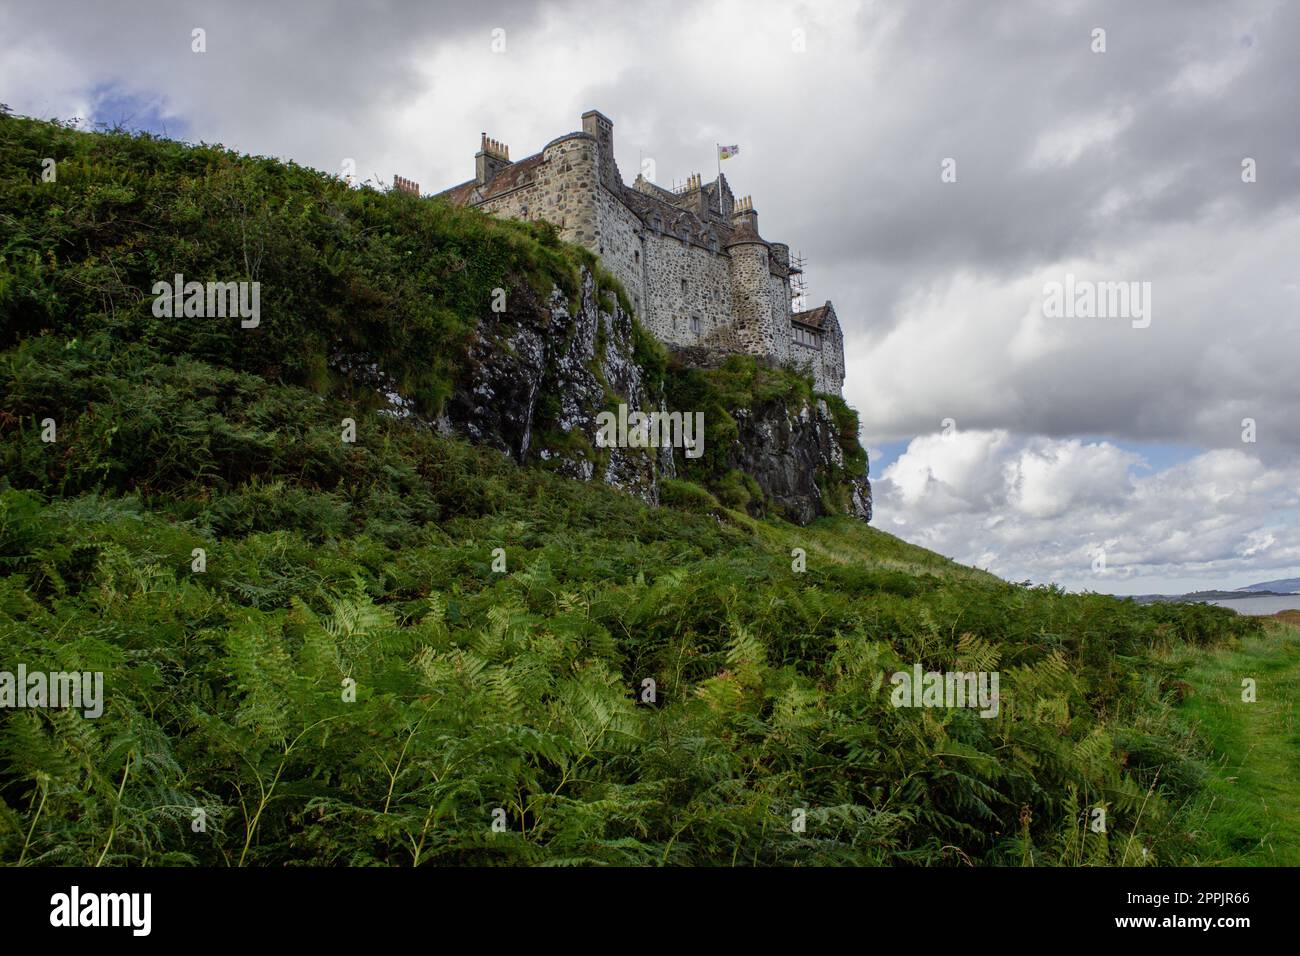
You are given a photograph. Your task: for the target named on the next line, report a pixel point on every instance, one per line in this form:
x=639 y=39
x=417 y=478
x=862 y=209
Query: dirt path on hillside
x=1249 y=814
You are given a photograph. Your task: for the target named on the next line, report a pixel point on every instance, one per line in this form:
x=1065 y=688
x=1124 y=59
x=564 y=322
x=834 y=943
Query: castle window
x=683 y=287
x=807 y=336
x=637 y=254
x=695 y=324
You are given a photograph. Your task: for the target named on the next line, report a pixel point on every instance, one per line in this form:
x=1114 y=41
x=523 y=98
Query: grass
x=1249 y=811
x=848 y=541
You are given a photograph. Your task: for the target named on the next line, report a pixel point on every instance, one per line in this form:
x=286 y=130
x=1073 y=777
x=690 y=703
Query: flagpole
x=717 y=149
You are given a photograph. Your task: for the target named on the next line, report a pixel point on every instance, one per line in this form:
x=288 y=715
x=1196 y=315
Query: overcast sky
x=1000 y=435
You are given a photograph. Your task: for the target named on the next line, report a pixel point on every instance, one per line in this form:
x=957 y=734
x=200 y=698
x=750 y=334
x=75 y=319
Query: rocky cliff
x=539 y=373
x=537 y=376
x=795 y=455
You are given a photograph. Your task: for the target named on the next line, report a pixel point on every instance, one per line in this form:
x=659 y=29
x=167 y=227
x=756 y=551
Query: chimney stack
x=597 y=124
x=402 y=184
x=491 y=158
x=743 y=213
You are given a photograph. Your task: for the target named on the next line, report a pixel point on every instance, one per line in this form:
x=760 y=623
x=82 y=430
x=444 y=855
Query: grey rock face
x=538 y=375
x=495 y=402
x=861 y=498
x=787 y=450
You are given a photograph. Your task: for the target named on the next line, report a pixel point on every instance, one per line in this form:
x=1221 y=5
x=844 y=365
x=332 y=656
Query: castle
x=699 y=273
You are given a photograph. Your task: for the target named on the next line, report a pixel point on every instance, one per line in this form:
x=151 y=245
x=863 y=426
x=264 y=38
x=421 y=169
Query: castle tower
x=779 y=282
x=570 y=177
x=751 y=290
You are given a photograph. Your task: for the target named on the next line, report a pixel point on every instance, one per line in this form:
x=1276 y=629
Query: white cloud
x=1050 y=478
x=1041 y=508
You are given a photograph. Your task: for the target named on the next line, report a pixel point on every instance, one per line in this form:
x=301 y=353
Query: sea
x=1261 y=603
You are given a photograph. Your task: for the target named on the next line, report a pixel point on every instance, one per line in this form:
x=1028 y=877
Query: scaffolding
x=798 y=284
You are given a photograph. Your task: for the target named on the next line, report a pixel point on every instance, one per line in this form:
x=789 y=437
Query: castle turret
x=570 y=176
x=751 y=290
x=491 y=158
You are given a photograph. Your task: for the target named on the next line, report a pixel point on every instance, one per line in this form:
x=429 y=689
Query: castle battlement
x=699 y=272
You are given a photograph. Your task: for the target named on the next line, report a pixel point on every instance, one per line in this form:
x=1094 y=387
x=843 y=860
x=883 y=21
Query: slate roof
x=673 y=220
x=512 y=177
x=812 y=317
x=644 y=185
x=745 y=232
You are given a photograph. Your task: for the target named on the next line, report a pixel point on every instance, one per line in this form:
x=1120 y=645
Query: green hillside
x=353 y=679
x=1249 y=813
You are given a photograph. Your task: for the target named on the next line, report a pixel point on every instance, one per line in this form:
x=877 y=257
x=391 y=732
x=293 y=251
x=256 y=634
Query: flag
x=726 y=152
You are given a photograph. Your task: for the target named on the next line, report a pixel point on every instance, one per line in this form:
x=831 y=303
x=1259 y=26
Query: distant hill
x=1191 y=597
x=1280 y=586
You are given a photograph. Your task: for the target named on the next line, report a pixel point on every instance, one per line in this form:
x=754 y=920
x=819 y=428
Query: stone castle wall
x=754 y=309
x=620 y=246
x=672 y=281
x=563 y=192
x=829 y=373
x=782 y=334
x=826 y=363
x=691 y=297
